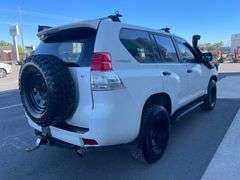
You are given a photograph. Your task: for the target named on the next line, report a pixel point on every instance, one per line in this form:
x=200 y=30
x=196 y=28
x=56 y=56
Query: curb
x=226 y=161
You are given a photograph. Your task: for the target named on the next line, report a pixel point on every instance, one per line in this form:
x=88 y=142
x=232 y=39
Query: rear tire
x=3 y=73
x=211 y=97
x=154 y=134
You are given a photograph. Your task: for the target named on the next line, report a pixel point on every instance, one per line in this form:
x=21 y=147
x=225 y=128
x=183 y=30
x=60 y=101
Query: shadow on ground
x=194 y=140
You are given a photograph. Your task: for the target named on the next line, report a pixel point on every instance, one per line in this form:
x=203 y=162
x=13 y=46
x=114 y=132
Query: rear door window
x=138 y=44
x=73 y=46
x=167 y=51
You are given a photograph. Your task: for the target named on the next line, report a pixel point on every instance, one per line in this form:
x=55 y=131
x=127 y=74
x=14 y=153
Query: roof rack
x=166 y=29
x=115 y=17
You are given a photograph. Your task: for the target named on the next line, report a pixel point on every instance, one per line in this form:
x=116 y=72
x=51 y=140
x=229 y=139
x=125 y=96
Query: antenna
x=166 y=29
x=115 y=17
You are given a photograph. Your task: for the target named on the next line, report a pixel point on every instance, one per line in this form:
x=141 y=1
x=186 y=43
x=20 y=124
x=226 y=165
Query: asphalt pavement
x=193 y=142
x=11 y=81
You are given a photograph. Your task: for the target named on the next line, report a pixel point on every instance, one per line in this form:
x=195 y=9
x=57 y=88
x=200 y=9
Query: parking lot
x=194 y=140
x=11 y=81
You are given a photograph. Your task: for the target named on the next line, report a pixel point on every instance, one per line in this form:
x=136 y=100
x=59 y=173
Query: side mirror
x=207 y=57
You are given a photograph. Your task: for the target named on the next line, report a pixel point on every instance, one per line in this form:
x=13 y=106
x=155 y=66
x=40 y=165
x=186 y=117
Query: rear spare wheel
x=47 y=90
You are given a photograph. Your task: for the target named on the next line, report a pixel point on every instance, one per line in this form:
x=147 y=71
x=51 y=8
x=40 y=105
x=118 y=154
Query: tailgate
x=83 y=111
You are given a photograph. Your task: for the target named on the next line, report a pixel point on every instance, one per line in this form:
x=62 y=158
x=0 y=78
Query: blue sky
x=215 y=20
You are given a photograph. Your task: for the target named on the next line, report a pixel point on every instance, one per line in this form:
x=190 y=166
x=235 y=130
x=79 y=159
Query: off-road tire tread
x=59 y=81
x=137 y=148
x=206 y=105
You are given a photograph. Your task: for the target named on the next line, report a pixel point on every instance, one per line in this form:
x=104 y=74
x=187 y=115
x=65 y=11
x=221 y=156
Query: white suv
x=5 y=69
x=102 y=82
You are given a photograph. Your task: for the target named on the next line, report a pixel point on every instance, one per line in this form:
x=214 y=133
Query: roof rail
x=115 y=17
x=166 y=29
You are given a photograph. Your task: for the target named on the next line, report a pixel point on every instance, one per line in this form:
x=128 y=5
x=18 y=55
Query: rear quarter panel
x=140 y=80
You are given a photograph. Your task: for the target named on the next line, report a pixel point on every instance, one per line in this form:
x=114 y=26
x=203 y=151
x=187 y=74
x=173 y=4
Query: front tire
x=154 y=134
x=211 y=97
x=3 y=73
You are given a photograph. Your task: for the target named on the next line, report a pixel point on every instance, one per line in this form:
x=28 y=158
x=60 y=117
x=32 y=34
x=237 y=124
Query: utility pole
x=20 y=30
x=14 y=32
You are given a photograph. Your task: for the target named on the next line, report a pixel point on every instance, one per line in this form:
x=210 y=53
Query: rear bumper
x=112 y=121
x=74 y=138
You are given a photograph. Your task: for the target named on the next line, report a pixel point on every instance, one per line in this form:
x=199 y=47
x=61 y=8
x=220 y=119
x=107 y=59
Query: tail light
x=102 y=76
x=101 y=62
x=89 y=142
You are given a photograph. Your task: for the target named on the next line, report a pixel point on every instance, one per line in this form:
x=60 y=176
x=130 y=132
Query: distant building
x=29 y=50
x=237 y=54
x=226 y=50
x=5 y=54
x=235 y=42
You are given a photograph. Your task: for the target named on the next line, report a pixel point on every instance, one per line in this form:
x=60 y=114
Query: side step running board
x=185 y=110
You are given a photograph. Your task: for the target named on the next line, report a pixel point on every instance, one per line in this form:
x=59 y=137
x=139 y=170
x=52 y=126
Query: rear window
x=74 y=46
x=138 y=44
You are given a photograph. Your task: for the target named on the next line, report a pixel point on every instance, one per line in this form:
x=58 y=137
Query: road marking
x=5 y=93
x=18 y=141
x=229 y=87
x=11 y=106
x=226 y=161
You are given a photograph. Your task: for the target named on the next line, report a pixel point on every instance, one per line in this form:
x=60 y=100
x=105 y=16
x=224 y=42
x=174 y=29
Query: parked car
x=5 y=69
x=100 y=83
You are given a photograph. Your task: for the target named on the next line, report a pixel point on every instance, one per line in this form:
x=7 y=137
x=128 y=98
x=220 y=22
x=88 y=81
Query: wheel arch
x=4 y=69
x=162 y=99
x=159 y=99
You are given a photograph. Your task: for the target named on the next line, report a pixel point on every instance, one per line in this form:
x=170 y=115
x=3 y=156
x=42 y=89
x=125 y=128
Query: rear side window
x=167 y=51
x=138 y=44
x=74 y=46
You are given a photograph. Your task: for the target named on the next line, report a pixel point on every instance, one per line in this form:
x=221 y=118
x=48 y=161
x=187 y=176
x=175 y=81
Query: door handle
x=165 y=73
x=189 y=71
